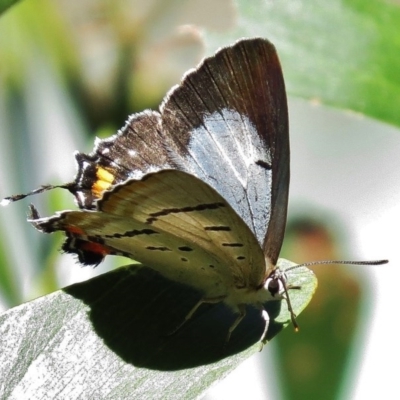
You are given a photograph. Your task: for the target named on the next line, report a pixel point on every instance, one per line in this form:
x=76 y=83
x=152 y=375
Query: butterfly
x=197 y=191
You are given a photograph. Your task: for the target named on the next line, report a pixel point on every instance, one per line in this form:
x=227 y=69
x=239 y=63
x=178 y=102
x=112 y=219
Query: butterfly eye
x=273 y=285
x=276 y=283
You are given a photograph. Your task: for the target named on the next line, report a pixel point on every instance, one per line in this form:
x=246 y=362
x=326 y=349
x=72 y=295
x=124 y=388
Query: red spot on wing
x=95 y=248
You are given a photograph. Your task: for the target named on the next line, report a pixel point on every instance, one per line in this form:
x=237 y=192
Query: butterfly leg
x=238 y=320
x=213 y=300
x=265 y=317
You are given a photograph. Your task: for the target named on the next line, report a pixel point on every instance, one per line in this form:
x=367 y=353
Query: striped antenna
x=311 y=263
x=7 y=200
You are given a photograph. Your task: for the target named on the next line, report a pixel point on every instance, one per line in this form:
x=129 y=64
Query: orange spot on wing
x=104 y=181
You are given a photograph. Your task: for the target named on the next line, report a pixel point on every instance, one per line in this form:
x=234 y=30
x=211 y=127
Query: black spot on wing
x=240 y=258
x=166 y=211
x=217 y=228
x=185 y=248
x=232 y=244
x=264 y=164
x=134 y=232
x=184 y=259
x=158 y=248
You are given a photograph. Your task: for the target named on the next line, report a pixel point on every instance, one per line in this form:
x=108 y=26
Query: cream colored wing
x=174 y=223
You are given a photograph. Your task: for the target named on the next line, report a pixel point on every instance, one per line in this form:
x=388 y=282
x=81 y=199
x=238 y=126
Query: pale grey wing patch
x=227 y=153
x=243 y=181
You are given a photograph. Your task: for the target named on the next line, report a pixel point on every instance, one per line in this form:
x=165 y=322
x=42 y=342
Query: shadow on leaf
x=134 y=308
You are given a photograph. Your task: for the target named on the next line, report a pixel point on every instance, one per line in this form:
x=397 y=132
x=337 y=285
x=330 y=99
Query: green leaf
x=108 y=338
x=6 y=4
x=342 y=53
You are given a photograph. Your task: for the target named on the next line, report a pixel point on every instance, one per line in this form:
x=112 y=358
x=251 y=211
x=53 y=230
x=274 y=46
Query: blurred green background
x=73 y=71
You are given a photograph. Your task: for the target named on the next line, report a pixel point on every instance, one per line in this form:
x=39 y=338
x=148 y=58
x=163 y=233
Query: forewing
x=228 y=120
x=172 y=222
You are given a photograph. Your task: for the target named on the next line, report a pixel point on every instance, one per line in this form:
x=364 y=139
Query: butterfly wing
x=229 y=125
x=134 y=151
x=172 y=222
x=226 y=123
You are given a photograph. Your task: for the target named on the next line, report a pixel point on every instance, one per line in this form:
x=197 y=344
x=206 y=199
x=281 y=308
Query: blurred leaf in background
x=311 y=366
x=342 y=53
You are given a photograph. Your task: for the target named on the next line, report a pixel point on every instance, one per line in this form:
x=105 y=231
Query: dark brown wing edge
x=280 y=164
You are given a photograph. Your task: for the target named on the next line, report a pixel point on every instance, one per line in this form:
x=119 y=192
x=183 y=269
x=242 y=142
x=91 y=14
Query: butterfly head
x=276 y=282
x=277 y=286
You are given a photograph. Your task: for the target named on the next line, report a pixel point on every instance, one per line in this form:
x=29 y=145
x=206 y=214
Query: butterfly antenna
x=308 y=264
x=311 y=263
x=7 y=200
